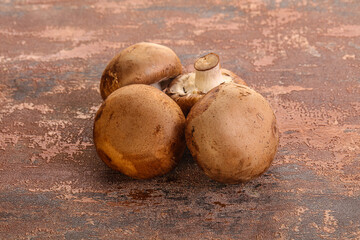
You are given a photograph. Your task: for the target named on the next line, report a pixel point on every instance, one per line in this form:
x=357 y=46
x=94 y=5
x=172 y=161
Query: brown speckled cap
x=139 y=131
x=232 y=133
x=141 y=63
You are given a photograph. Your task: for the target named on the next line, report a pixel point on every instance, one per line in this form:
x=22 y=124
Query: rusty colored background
x=302 y=55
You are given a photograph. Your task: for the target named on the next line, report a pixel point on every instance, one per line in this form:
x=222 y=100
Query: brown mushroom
x=231 y=133
x=141 y=63
x=188 y=88
x=139 y=131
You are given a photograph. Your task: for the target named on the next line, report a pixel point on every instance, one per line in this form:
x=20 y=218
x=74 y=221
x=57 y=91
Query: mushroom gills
x=162 y=84
x=186 y=84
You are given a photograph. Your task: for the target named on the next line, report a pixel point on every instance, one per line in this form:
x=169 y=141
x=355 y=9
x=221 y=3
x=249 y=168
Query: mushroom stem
x=207 y=72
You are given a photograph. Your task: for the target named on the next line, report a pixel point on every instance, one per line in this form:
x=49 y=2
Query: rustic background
x=302 y=55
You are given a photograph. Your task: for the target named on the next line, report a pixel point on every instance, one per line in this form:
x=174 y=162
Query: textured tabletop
x=303 y=56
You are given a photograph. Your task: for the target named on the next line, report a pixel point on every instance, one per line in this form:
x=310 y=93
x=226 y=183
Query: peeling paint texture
x=302 y=55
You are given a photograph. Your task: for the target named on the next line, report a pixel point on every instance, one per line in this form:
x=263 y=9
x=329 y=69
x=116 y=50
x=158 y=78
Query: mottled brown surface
x=231 y=133
x=141 y=63
x=140 y=132
x=302 y=55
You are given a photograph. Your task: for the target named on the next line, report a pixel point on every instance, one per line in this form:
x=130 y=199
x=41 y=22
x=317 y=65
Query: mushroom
x=139 y=131
x=188 y=88
x=231 y=133
x=141 y=63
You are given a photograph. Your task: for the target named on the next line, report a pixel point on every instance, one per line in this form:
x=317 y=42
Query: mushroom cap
x=231 y=132
x=141 y=63
x=186 y=101
x=139 y=131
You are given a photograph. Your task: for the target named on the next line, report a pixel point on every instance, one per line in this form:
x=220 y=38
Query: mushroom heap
x=141 y=129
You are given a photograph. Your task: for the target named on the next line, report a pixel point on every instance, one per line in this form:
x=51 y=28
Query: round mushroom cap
x=139 y=131
x=231 y=132
x=141 y=63
x=187 y=99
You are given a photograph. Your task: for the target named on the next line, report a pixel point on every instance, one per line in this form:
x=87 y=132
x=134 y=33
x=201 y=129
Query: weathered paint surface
x=302 y=55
